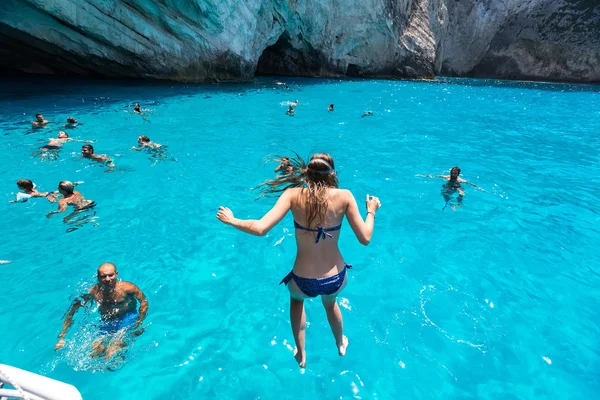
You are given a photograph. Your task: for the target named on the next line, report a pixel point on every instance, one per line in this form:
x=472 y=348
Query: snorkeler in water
x=117 y=303
x=452 y=185
x=39 y=122
x=319 y=206
x=330 y=107
x=87 y=151
x=367 y=114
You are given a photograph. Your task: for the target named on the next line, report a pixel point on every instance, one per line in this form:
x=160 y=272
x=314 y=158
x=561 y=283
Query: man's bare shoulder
x=93 y=292
x=128 y=286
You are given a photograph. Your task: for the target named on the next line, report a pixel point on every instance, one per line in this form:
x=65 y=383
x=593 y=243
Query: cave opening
x=283 y=58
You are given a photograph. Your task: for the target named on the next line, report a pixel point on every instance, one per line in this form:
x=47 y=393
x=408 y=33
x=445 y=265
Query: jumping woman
x=318 y=205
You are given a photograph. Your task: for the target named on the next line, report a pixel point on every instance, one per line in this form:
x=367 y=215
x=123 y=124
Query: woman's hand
x=225 y=215
x=373 y=203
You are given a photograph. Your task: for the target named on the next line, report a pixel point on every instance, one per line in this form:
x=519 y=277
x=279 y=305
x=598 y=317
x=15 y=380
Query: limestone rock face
x=207 y=40
x=523 y=39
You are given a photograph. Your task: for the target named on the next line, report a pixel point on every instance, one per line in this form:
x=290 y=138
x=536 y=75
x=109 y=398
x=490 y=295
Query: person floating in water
x=284 y=167
x=318 y=206
x=137 y=109
x=87 y=151
x=55 y=144
x=144 y=142
x=39 y=122
x=330 y=107
x=29 y=191
x=452 y=186
x=117 y=303
x=71 y=123
x=157 y=151
x=292 y=107
x=367 y=114
x=71 y=198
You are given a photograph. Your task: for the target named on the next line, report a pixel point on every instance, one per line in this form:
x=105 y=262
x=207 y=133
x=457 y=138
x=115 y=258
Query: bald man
x=117 y=304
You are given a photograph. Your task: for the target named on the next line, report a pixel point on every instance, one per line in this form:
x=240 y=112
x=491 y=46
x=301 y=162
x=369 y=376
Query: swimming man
x=452 y=186
x=117 y=304
x=70 y=198
x=330 y=107
x=62 y=138
x=39 y=122
x=87 y=151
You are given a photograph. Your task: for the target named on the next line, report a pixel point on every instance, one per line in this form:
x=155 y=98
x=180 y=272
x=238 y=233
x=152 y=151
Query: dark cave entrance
x=283 y=58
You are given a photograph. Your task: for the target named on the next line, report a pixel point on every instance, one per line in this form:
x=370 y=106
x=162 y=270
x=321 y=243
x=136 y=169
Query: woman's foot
x=300 y=357
x=342 y=346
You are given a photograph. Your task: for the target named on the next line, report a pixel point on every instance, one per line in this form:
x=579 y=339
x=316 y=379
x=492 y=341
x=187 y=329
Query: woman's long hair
x=314 y=179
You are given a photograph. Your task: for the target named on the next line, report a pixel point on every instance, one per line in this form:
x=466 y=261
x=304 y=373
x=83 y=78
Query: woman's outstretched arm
x=362 y=229
x=262 y=226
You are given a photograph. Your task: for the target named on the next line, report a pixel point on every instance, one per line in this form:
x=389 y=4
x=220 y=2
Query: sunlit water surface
x=496 y=300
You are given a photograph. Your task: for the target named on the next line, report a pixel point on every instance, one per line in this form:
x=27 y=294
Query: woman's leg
x=298 y=320
x=334 y=316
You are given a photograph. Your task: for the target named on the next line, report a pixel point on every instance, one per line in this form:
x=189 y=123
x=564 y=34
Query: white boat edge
x=36 y=387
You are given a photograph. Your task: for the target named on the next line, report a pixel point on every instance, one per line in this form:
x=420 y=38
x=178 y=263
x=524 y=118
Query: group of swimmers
x=66 y=188
x=291 y=111
x=309 y=190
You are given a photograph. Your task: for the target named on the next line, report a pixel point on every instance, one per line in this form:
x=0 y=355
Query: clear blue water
x=496 y=300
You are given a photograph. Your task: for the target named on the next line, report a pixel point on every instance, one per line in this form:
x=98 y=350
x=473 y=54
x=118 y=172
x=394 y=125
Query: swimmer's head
x=107 y=275
x=454 y=172
x=66 y=187
x=143 y=139
x=71 y=120
x=25 y=184
x=331 y=107
x=136 y=107
x=39 y=117
x=87 y=150
x=63 y=135
x=286 y=87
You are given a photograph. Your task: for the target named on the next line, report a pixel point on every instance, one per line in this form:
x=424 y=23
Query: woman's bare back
x=316 y=260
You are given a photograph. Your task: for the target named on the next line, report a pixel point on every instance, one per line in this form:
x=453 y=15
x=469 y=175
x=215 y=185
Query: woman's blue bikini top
x=321 y=233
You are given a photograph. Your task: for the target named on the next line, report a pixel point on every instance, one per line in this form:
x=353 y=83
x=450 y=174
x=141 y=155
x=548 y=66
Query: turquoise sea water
x=496 y=300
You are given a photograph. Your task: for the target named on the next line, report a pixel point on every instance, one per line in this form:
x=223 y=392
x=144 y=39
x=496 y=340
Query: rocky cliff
x=202 y=40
